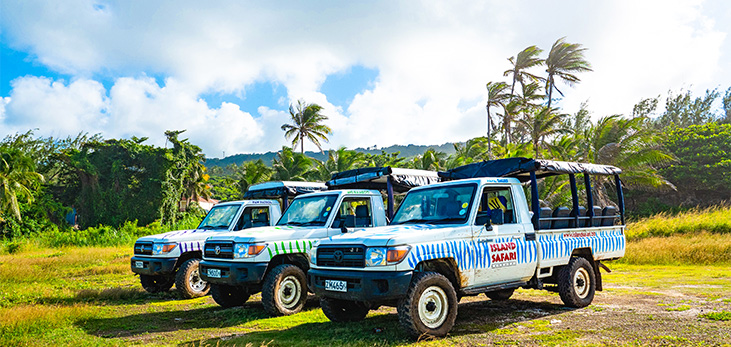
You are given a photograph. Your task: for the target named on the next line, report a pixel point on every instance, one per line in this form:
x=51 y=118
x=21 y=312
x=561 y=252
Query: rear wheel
x=430 y=306
x=577 y=283
x=229 y=296
x=343 y=310
x=157 y=283
x=500 y=295
x=188 y=281
x=284 y=291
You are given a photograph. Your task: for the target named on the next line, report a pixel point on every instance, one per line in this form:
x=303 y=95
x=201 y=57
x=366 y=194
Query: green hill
x=406 y=152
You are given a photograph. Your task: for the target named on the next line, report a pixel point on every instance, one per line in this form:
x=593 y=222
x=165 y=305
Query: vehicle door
x=504 y=246
x=354 y=212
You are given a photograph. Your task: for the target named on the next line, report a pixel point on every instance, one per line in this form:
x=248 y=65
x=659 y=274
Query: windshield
x=438 y=205
x=309 y=211
x=219 y=217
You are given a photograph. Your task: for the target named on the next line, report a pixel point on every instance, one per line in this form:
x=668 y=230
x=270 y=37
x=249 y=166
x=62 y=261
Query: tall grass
x=694 y=237
x=714 y=220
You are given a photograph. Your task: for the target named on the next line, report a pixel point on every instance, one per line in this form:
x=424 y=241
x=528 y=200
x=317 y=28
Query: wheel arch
x=297 y=259
x=187 y=256
x=445 y=266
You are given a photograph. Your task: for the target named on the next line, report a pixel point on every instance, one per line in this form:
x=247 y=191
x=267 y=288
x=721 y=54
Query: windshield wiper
x=431 y=221
x=299 y=224
x=213 y=226
x=415 y=220
x=446 y=220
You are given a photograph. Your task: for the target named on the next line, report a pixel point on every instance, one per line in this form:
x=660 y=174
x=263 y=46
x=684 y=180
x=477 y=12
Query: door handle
x=516 y=237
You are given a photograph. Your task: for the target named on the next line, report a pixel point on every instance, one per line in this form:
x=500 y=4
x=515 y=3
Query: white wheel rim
x=581 y=283
x=433 y=307
x=195 y=281
x=289 y=292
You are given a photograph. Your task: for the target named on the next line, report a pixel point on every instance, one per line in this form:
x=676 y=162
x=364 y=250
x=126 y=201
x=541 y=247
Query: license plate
x=215 y=273
x=139 y=264
x=336 y=286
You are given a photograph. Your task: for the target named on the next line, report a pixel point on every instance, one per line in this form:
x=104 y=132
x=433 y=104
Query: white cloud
x=433 y=59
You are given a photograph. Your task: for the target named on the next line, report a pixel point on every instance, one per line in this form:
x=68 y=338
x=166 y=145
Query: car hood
x=182 y=235
x=267 y=234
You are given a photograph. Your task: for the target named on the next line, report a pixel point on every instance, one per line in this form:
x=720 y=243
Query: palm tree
x=496 y=96
x=632 y=145
x=195 y=184
x=338 y=161
x=250 y=173
x=546 y=122
x=306 y=124
x=17 y=179
x=430 y=160
x=291 y=166
x=564 y=60
x=525 y=60
x=473 y=150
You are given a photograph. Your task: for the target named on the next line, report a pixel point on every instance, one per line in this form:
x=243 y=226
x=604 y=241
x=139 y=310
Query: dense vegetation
x=672 y=160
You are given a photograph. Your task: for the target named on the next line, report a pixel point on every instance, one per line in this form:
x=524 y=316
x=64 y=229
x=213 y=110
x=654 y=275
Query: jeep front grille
x=144 y=248
x=219 y=249
x=342 y=256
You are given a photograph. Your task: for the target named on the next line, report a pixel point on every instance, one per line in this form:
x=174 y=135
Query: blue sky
x=385 y=72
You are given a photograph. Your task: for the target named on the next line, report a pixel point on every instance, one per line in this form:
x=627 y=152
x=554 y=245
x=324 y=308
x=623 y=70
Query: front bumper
x=233 y=273
x=366 y=286
x=153 y=266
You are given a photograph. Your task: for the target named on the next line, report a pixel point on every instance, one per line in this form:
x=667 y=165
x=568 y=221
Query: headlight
x=313 y=255
x=386 y=256
x=248 y=250
x=163 y=248
x=375 y=256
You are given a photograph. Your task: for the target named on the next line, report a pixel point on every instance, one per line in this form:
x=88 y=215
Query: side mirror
x=348 y=222
x=483 y=218
x=497 y=217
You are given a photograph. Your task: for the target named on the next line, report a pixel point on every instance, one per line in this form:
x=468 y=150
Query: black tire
x=338 y=310
x=576 y=283
x=229 y=296
x=284 y=291
x=430 y=306
x=157 y=283
x=188 y=281
x=500 y=295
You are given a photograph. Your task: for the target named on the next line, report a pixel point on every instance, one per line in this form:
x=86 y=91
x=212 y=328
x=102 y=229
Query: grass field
x=88 y=296
x=672 y=287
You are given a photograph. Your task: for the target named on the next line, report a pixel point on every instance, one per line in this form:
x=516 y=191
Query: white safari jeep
x=274 y=260
x=172 y=258
x=471 y=236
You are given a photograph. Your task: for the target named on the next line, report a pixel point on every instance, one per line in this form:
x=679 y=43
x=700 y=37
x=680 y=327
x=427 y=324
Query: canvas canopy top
x=521 y=168
x=278 y=189
x=377 y=178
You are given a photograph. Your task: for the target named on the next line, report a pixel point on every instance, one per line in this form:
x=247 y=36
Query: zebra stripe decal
x=561 y=245
x=289 y=247
x=475 y=254
x=190 y=246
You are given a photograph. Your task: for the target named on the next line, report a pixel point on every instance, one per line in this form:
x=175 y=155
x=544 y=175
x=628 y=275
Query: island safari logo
x=504 y=254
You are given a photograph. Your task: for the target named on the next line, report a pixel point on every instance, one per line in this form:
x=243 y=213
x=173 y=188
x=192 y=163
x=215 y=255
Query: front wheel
x=188 y=281
x=157 y=283
x=576 y=283
x=338 y=310
x=430 y=306
x=229 y=296
x=284 y=291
